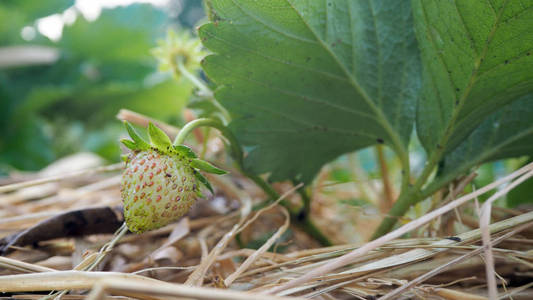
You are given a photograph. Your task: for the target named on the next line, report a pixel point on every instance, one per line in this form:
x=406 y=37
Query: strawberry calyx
x=160 y=142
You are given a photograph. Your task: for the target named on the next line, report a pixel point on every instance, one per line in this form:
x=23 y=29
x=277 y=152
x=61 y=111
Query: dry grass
x=199 y=257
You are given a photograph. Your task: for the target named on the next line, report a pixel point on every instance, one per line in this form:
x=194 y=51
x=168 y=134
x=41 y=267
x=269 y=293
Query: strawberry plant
x=299 y=83
x=307 y=81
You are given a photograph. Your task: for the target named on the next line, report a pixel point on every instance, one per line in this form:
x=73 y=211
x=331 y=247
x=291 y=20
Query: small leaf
x=207 y=167
x=158 y=137
x=186 y=151
x=204 y=181
x=141 y=144
x=125 y=158
x=130 y=144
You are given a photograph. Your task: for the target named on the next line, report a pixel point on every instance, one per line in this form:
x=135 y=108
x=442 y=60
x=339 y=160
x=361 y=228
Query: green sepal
x=185 y=151
x=199 y=194
x=207 y=167
x=203 y=181
x=158 y=138
x=139 y=141
x=130 y=144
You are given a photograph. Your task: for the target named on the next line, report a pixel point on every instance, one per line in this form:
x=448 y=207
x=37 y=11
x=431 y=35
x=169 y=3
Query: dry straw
x=199 y=257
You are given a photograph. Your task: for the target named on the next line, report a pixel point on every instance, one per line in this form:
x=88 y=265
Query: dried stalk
x=484 y=222
x=252 y=258
x=135 y=287
x=442 y=268
x=348 y=258
x=16 y=186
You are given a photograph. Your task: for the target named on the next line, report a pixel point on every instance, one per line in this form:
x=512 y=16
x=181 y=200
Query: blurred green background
x=67 y=67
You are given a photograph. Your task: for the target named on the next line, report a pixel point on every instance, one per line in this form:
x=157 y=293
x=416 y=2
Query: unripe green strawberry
x=160 y=182
x=157 y=189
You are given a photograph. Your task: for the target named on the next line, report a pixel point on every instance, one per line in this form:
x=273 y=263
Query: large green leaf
x=506 y=133
x=476 y=57
x=307 y=81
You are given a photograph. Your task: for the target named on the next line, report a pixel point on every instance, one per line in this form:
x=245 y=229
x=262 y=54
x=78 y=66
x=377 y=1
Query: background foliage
x=68 y=105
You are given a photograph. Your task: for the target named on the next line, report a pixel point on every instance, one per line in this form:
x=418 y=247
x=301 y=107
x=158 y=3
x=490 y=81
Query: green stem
x=206 y=91
x=204 y=142
x=189 y=127
x=310 y=228
x=267 y=188
x=197 y=82
x=237 y=154
x=305 y=222
x=306 y=199
x=415 y=194
x=409 y=195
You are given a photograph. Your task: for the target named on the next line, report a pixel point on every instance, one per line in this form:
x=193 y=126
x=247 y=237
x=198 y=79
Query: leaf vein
x=380 y=116
x=308 y=98
x=275 y=59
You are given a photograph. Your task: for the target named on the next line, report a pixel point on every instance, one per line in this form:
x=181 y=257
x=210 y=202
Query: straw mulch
x=57 y=230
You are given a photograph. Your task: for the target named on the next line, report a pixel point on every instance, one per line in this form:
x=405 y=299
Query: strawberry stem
x=202 y=87
x=197 y=82
x=237 y=154
x=189 y=127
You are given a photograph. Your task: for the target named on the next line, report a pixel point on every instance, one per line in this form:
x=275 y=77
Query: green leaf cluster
x=306 y=81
